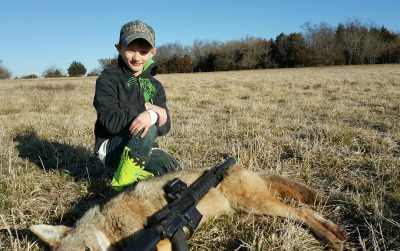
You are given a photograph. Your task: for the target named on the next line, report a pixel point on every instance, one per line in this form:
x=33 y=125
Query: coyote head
x=84 y=237
x=62 y=238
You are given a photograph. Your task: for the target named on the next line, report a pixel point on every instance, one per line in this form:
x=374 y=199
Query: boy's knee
x=148 y=138
x=151 y=134
x=141 y=146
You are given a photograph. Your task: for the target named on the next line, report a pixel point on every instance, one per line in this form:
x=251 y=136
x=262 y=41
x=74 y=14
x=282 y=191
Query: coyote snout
x=240 y=190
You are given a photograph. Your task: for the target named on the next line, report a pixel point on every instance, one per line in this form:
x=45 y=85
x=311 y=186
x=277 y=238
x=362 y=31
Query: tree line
x=75 y=69
x=317 y=45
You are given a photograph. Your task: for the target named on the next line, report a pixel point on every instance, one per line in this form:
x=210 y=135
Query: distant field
x=334 y=128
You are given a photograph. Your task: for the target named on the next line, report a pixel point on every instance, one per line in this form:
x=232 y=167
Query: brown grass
x=336 y=129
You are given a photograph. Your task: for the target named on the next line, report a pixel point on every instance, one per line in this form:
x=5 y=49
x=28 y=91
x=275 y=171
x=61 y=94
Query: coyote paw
x=336 y=230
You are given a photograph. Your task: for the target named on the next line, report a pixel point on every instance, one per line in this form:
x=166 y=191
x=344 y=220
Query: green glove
x=130 y=170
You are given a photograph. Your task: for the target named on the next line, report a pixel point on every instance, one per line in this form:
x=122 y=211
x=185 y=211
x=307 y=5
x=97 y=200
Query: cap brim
x=129 y=39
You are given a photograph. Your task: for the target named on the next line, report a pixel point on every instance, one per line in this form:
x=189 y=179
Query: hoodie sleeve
x=109 y=113
x=160 y=99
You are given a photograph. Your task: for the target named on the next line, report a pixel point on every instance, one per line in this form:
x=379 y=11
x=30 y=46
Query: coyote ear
x=50 y=234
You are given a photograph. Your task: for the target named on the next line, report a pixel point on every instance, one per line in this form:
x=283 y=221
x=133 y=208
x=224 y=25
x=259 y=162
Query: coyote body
x=240 y=190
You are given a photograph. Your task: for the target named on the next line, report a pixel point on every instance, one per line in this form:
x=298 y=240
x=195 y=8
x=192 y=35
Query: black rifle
x=181 y=211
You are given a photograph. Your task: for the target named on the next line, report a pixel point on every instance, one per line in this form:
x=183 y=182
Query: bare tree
x=227 y=56
x=255 y=53
x=170 y=50
x=108 y=62
x=53 y=72
x=373 y=47
x=4 y=72
x=204 y=53
x=353 y=41
x=321 y=38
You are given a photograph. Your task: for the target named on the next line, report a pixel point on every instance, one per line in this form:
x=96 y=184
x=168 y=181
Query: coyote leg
x=292 y=189
x=250 y=193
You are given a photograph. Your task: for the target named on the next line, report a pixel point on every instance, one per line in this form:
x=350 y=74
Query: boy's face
x=136 y=54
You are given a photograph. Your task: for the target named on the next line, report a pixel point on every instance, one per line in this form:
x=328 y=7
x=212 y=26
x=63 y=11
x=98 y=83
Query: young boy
x=132 y=111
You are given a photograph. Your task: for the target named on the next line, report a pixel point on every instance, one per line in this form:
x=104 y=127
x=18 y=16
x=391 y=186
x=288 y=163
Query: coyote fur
x=106 y=228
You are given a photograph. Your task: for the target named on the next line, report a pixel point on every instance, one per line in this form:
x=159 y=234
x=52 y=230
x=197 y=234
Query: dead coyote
x=240 y=190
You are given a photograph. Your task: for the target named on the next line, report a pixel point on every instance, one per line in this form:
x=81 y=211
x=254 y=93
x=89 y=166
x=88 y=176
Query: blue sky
x=39 y=34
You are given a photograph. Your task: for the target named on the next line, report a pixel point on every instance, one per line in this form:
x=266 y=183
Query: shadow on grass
x=82 y=165
x=20 y=234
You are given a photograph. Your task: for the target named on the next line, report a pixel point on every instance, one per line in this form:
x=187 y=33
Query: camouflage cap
x=134 y=30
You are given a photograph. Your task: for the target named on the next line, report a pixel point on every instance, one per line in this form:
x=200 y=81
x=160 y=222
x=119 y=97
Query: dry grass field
x=336 y=129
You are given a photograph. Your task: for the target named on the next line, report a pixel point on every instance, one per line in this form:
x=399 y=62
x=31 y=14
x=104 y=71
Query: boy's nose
x=135 y=55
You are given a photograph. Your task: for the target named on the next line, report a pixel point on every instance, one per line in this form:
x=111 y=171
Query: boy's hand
x=161 y=112
x=142 y=121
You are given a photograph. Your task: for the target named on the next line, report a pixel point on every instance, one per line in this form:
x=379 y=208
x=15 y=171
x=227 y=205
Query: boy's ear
x=50 y=234
x=118 y=47
x=153 y=52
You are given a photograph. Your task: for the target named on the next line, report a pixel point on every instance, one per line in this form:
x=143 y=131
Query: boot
x=130 y=170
